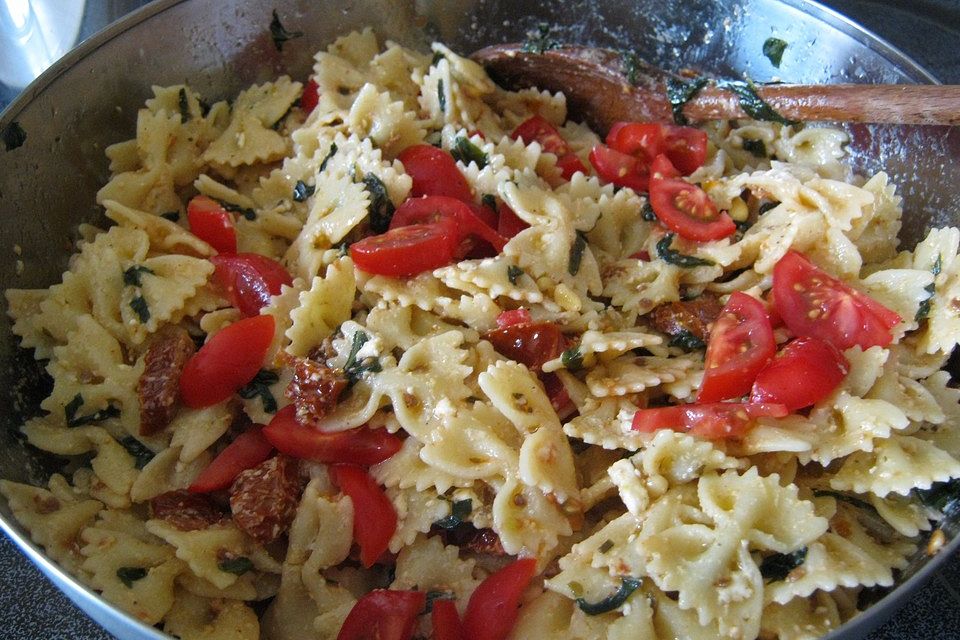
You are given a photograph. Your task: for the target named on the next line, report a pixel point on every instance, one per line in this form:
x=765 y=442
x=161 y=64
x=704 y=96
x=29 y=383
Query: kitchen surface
x=927 y=30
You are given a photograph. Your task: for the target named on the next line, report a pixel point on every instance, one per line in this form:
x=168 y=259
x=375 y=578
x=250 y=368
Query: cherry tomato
x=487 y=215
x=509 y=223
x=407 y=251
x=492 y=609
x=687 y=210
x=434 y=173
x=662 y=169
x=813 y=303
x=531 y=343
x=686 y=147
x=361 y=446
x=446 y=621
x=570 y=164
x=514 y=316
x=383 y=614
x=432 y=209
x=642 y=140
x=741 y=344
x=310 y=96
x=619 y=168
x=374 y=518
x=714 y=420
x=804 y=372
x=213 y=224
x=229 y=360
x=247 y=450
x=540 y=130
x=250 y=280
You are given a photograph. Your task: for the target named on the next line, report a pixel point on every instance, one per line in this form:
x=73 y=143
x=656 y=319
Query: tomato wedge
x=714 y=420
x=814 y=303
x=620 y=168
x=446 y=621
x=513 y=316
x=407 y=251
x=492 y=609
x=642 y=140
x=374 y=518
x=229 y=360
x=213 y=224
x=310 y=96
x=383 y=614
x=509 y=223
x=687 y=210
x=741 y=344
x=246 y=451
x=360 y=446
x=532 y=343
x=804 y=372
x=433 y=209
x=538 y=129
x=570 y=164
x=249 y=280
x=685 y=146
x=434 y=173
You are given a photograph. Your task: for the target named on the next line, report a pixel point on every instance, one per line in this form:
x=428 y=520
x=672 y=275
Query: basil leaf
x=680 y=92
x=924 y=309
x=437 y=57
x=756 y=147
x=773 y=49
x=353 y=368
x=184 y=105
x=441 y=96
x=237 y=566
x=647 y=212
x=279 y=34
x=631 y=65
x=540 y=40
x=131 y=276
x=459 y=511
x=249 y=214
x=172 y=216
x=73 y=420
x=778 y=566
x=71 y=408
x=489 y=200
x=751 y=102
x=842 y=497
x=467 y=152
x=330 y=154
x=675 y=257
x=381 y=207
x=576 y=253
x=572 y=358
x=437 y=595
x=129 y=575
x=302 y=191
x=687 y=341
x=260 y=386
x=941 y=496
x=627 y=586
x=513 y=273
x=141 y=454
x=139 y=305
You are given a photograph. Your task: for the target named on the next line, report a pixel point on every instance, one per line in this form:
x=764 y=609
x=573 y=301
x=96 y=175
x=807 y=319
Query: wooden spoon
x=597 y=90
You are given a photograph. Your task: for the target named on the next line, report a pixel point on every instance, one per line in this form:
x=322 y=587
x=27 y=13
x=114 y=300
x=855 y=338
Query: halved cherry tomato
x=374 y=518
x=662 y=169
x=407 y=251
x=509 y=223
x=685 y=146
x=804 y=372
x=620 y=168
x=531 y=343
x=570 y=164
x=540 y=130
x=213 y=224
x=310 y=96
x=714 y=420
x=361 y=446
x=246 y=451
x=741 y=344
x=492 y=609
x=432 y=209
x=642 y=140
x=250 y=280
x=813 y=303
x=513 y=316
x=383 y=614
x=229 y=360
x=487 y=215
x=434 y=173
x=687 y=210
x=446 y=620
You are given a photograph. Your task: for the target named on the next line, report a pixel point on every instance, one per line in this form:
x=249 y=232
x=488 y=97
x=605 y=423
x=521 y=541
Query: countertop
x=927 y=30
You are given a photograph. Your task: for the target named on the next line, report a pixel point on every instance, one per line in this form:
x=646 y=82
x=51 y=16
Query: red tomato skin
x=374 y=518
x=805 y=371
x=539 y=129
x=247 y=450
x=407 y=251
x=310 y=96
x=514 y=316
x=509 y=223
x=250 y=280
x=559 y=398
x=686 y=147
x=446 y=621
x=814 y=303
x=228 y=361
x=360 y=446
x=713 y=420
x=431 y=209
x=212 y=223
x=569 y=165
x=383 y=614
x=492 y=609
x=642 y=140
x=531 y=343
x=663 y=169
x=741 y=344
x=699 y=220
x=619 y=168
x=434 y=173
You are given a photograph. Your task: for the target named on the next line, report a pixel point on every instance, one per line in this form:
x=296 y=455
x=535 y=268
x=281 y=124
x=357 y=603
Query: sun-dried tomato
x=315 y=389
x=187 y=511
x=264 y=499
x=158 y=385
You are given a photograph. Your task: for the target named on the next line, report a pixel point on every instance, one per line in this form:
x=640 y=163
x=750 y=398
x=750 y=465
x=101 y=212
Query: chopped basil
x=751 y=102
x=172 y=216
x=513 y=273
x=540 y=40
x=773 y=49
x=204 y=107
x=755 y=146
x=778 y=566
x=129 y=575
x=459 y=511
x=184 y=105
x=680 y=92
x=647 y=212
x=941 y=496
x=131 y=276
x=441 y=96
x=467 y=152
x=842 y=497
x=576 y=253
x=631 y=64
x=687 y=341
x=437 y=57
x=237 y=566
x=141 y=454
x=606 y=546
x=71 y=408
x=142 y=309
x=249 y=214
x=627 y=586
x=767 y=206
x=489 y=200
x=381 y=208
x=437 y=595
x=13 y=136
x=330 y=154
x=279 y=33
x=572 y=358
x=924 y=309
x=302 y=191
x=260 y=386
x=353 y=368
x=73 y=420
x=675 y=257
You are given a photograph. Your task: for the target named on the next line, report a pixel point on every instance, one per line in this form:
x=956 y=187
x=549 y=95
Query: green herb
x=172 y=216
x=279 y=33
x=441 y=96
x=353 y=368
x=767 y=206
x=924 y=309
x=941 y=496
x=756 y=147
x=73 y=420
x=842 y=497
x=489 y=200
x=675 y=257
x=129 y=575
x=260 y=386
x=572 y=358
x=459 y=511
x=606 y=546
x=141 y=454
x=576 y=253
x=773 y=49
x=204 y=107
x=513 y=273
x=627 y=586
x=687 y=341
x=330 y=154
x=184 y=105
x=237 y=566
x=249 y=214
x=751 y=102
x=437 y=595
x=276 y=125
x=437 y=57
x=71 y=408
x=540 y=40
x=467 y=152
x=343 y=248
x=680 y=92
x=131 y=276
x=14 y=136
x=381 y=208
x=302 y=191
x=647 y=212
x=778 y=566
x=631 y=65
x=142 y=309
